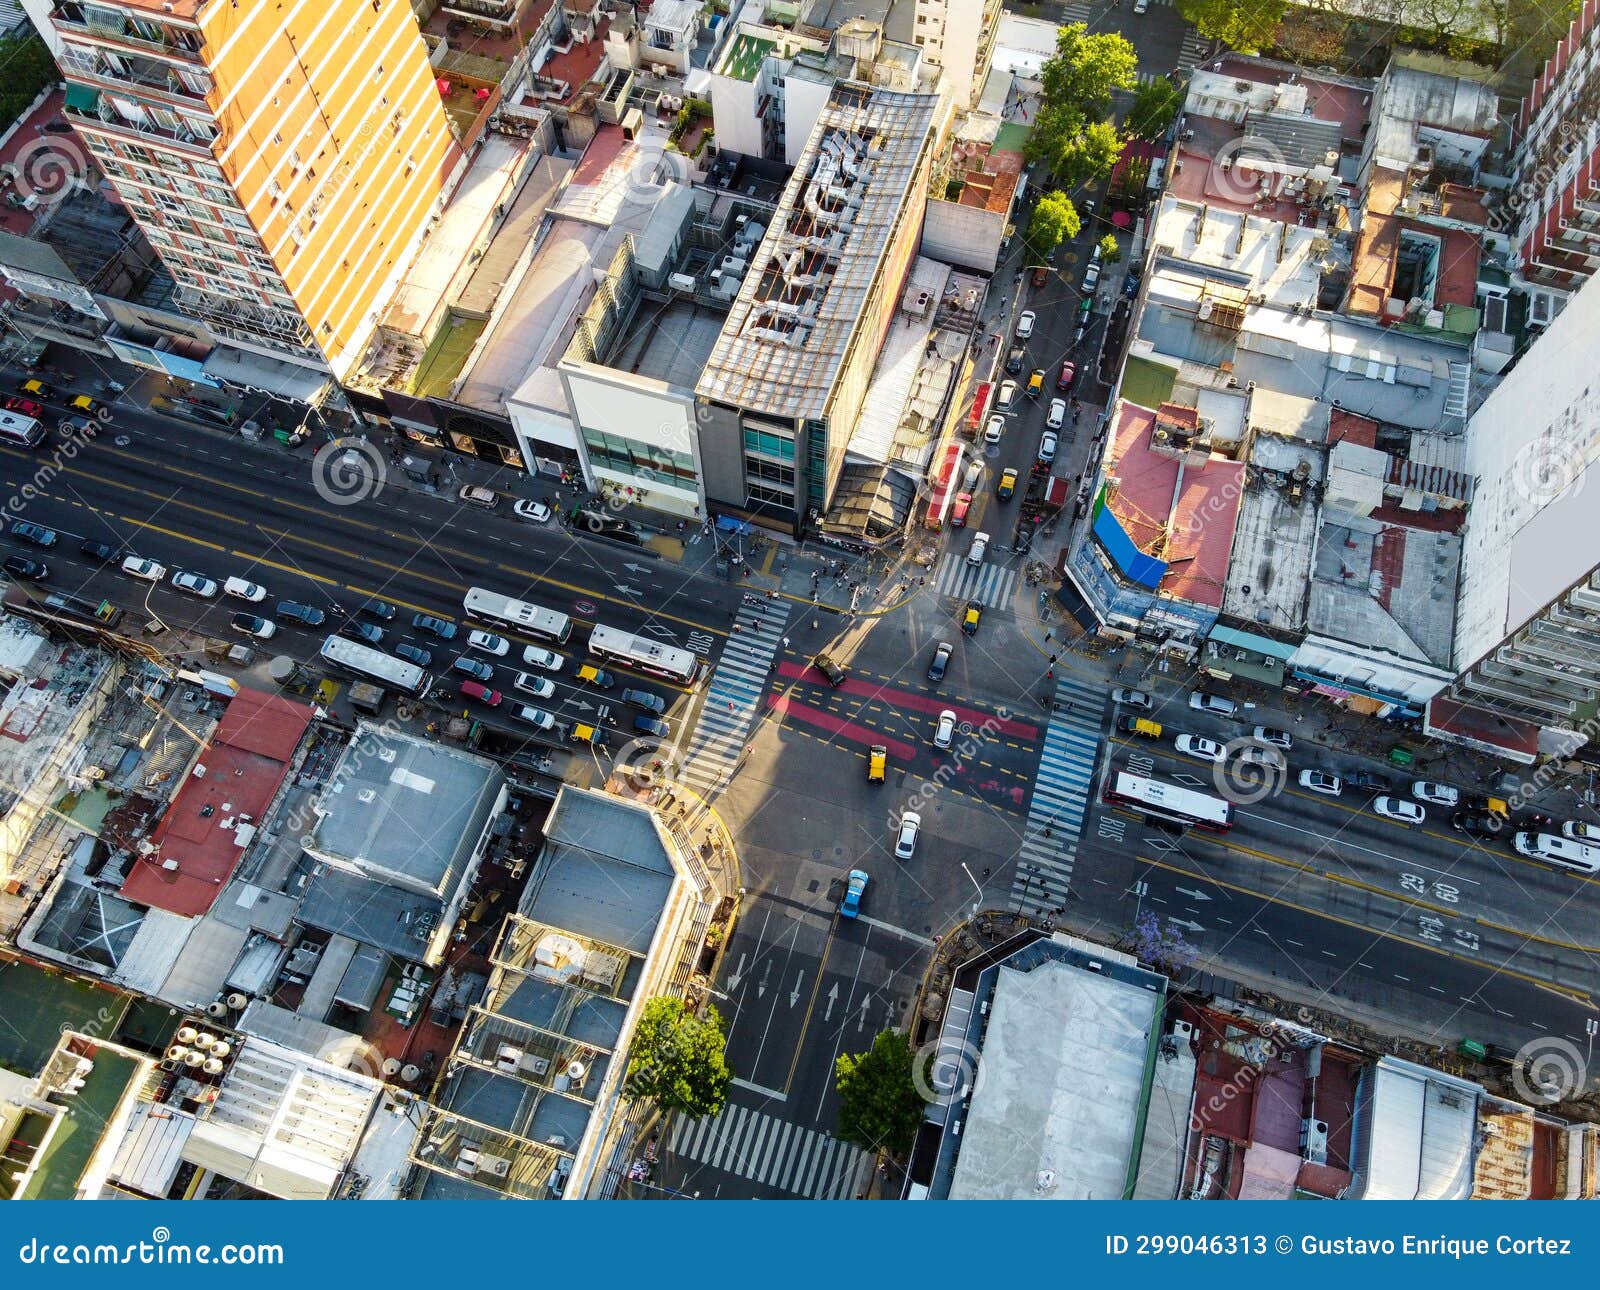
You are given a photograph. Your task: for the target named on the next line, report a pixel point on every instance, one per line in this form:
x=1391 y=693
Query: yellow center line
x=811 y=1003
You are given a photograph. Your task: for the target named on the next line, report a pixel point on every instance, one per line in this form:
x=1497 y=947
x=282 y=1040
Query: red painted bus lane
x=912 y=701
x=781 y=705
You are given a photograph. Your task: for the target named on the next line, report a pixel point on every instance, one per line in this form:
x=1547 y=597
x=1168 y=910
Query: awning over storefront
x=1486 y=731
x=1250 y=641
x=1073 y=602
x=1344 y=690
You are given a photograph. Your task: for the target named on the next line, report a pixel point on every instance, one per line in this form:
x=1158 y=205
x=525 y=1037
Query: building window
x=771 y=497
x=766 y=444
x=642 y=460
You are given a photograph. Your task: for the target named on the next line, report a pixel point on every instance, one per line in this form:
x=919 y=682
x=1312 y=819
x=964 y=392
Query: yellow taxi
x=877 y=763
x=971 y=618
x=1007 y=485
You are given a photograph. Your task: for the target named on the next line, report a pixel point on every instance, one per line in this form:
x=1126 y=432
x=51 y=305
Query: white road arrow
x=1197 y=895
x=833 y=998
x=861 y=1022
x=761 y=986
x=656 y=629
x=1187 y=924
x=581 y=707
x=631 y=567
x=627 y=591
x=794 y=995
x=737 y=975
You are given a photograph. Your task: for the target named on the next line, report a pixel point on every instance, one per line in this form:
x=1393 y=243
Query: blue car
x=850 y=906
x=307 y=615
x=445 y=631
x=645 y=724
x=28 y=531
x=414 y=654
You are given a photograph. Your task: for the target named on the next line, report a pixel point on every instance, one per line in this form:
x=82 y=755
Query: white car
x=1319 y=781
x=1141 y=6
x=993 y=429
x=905 y=843
x=1216 y=704
x=1272 y=735
x=1578 y=831
x=243 y=589
x=1425 y=790
x=537 y=512
x=1007 y=396
x=1091 y=278
x=1025 y=324
x=1047 y=447
x=1399 y=808
x=195 y=584
x=144 y=570
x=254 y=625
x=1058 y=413
x=1558 y=850
x=1201 y=747
x=944 y=733
x=536 y=717
x=980 y=544
x=488 y=643
x=1132 y=698
x=546 y=659
x=537 y=686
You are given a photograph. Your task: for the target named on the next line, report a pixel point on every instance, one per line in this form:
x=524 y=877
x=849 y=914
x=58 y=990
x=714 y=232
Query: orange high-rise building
x=284 y=157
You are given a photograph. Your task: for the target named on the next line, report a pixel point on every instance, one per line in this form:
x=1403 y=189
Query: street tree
x=879 y=1105
x=678 y=1060
x=1154 y=107
x=1090 y=155
x=1159 y=944
x=1055 y=220
x=1110 y=252
x=29 y=68
x=1239 y=24
x=1078 y=82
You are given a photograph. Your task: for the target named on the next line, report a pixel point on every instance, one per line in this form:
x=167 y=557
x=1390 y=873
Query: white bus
x=1169 y=802
x=644 y=655
x=491 y=607
x=374 y=665
x=25 y=432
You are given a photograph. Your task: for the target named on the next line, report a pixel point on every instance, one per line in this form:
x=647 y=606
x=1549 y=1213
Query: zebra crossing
x=1078 y=12
x=1060 y=800
x=772 y=1152
x=990 y=585
x=1193 y=50
x=733 y=695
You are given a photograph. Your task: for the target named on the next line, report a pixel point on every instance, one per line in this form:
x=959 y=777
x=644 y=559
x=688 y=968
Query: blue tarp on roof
x=1143 y=569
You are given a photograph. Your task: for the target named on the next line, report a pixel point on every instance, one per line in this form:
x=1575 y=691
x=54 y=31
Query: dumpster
x=1400 y=755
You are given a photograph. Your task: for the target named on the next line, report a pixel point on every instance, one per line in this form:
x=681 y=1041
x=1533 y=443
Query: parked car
x=382 y=610
x=1201 y=747
x=1047 y=446
x=905 y=841
x=1367 y=779
x=1007 y=485
x=993 y=430
x=834 y=674
x=24 y=407
x=37 y=389
x=538 y=656
x=101 y=552
x=305 y=615
x=20 y=566
x=414 y=654
x=1478 y=824
x=538 y=686
x=941 y=661
x=476 y=495
x=243 y=589
x=960 y=510
x=36 y=534
x=145 y=570
x=194 y=584
x=476 y=668
x=1320 y=781
x=366 y=633
x=535 y=512
x=536 y=717
x=1399 y=808
x=980 y=544
x=1069 y=374
x=1057 y=415
x=254 y=625
x=1272 y=735
x=1426 y=790
x=488 y=643
x=944 y=732
x=1025 y=321
x=855 y=887
x=1132 y=698
x=646 y=700
x=480 y=692
x=1016 y=358
x=1091 y=277
x=1216 y=704
x=1006 y=397
x=646 y=724
x=1579 y=831
x=445 y=631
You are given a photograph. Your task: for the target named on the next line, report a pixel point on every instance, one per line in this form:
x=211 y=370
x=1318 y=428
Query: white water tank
x=177 y=1053
x=221 y=1049
x=237 y=1001
x=213 y=1066
x=186 y=1034
x=193 y=1057
x=409 y=1073
x=391 y=1067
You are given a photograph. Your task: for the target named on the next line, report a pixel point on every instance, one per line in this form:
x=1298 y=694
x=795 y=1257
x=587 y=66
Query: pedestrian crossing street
x=772 y=1152
x=733 y=695
x=990 y=585
x=1060 y=798
x=1078 y=12
x=1192 y=50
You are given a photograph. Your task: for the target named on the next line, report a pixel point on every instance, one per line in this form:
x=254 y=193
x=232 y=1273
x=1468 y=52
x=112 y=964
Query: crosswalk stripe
x=1068 y=756
x=771 y=1151
x=780 y=1145
x=736 y=1125
x=803 y=1159
x=816 y=1168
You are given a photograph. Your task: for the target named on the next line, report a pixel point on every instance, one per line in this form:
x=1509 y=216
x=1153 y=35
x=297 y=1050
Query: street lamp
x=978 y=903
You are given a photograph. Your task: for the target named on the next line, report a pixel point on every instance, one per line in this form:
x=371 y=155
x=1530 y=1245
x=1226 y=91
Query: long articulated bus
x=23 y=431
x=374 y=665
x=522 y=615
x=1169 y=802
x=645 y=655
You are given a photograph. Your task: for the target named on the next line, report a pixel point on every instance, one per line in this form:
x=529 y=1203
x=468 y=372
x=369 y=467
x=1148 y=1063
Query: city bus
x=1169 y=802
x=25 y=432
x=491 y=607
x=374 y=665
x=644 y=655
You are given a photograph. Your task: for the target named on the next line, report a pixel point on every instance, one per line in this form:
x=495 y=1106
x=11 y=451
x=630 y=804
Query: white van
x=244 y=589
x=980 y=544
x=1558 y=850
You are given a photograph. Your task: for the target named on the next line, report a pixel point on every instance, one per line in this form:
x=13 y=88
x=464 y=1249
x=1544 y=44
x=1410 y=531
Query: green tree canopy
x=1154 y=107
x=1055 y=220
x=1110 y=252
x=1078 y=82
x=28 y=69
x=1090 y=155
x=678 y=1060
x=1242 y=24
x=879 y=1106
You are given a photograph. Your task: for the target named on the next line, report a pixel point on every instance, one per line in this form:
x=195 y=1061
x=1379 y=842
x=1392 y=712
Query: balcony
x=87 y=109
x=143 y=78
x=114 y=30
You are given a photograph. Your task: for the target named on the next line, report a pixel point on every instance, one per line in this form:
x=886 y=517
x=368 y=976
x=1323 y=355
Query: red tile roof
x=245 y=765
x=1348 y=427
